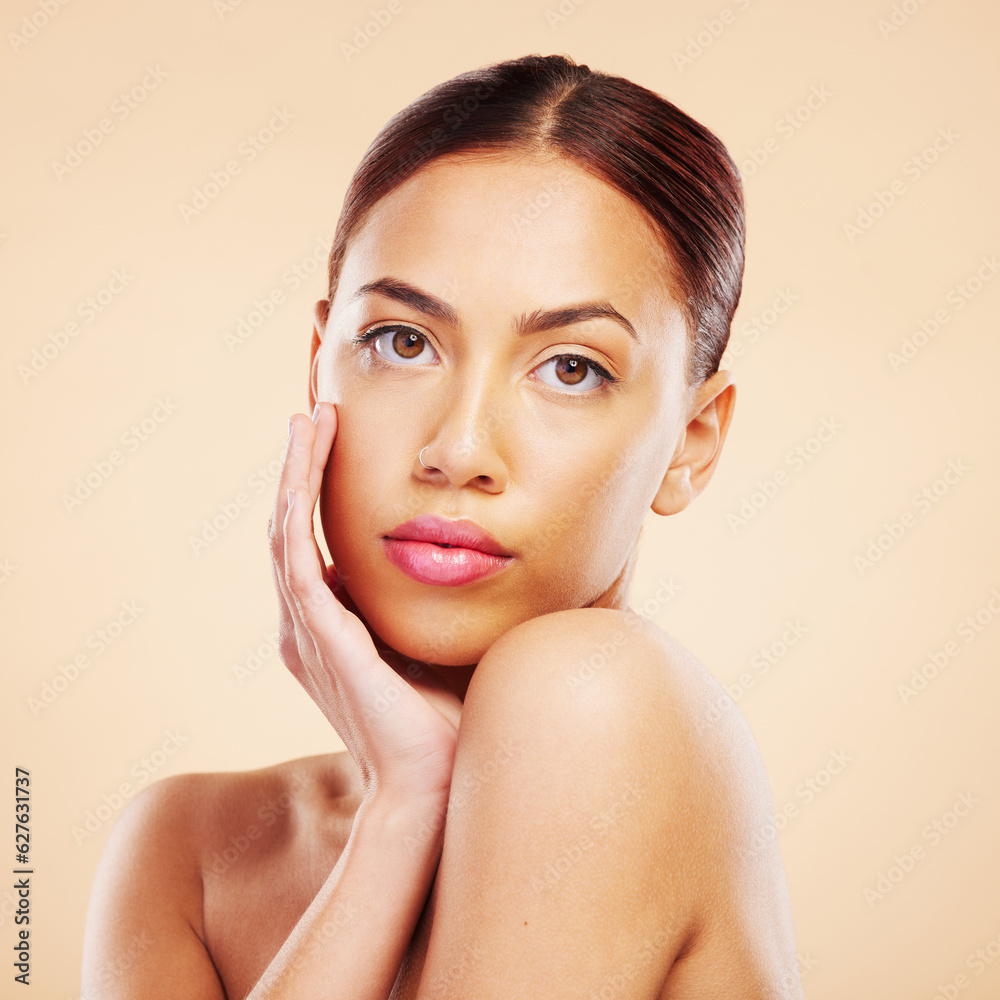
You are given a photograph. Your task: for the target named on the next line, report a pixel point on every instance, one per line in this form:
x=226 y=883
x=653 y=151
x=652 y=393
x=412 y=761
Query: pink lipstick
x=434 y=550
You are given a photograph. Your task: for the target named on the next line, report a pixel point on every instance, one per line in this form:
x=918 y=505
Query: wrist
x=413 y=819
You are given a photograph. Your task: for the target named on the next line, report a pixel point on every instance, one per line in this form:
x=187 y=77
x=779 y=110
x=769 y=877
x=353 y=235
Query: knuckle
x=288 y=649
x=273 y=535
x=308 y=594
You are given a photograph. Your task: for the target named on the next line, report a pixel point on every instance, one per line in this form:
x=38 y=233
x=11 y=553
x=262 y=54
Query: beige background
x=880 y=98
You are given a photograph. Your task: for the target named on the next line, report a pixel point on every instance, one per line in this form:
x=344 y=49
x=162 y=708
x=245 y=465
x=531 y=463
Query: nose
x=463 y=451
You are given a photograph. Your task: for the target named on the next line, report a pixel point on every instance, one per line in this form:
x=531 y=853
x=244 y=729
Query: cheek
x=355 y=477
x=583 y=516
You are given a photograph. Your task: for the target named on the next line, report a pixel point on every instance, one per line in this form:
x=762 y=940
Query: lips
x=434 y=550
x=462 y=534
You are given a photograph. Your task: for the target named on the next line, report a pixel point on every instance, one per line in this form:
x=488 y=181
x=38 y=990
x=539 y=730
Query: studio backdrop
x=173 y=174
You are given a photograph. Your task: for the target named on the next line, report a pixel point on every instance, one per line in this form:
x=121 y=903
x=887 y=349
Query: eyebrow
x=527 y=323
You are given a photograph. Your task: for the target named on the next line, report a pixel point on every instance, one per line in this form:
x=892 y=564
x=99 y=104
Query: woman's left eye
x=403 y=345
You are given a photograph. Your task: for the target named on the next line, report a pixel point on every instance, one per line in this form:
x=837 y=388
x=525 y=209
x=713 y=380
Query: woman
x=531 y=285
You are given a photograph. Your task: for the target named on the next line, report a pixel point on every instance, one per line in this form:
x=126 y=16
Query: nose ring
x=420 y=460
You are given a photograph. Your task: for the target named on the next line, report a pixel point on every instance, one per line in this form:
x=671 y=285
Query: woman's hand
x=403 y=740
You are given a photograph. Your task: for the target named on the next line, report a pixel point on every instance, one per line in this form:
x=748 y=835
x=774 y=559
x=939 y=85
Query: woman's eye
x=574 y=373
x=403 y=345
x=400 y=344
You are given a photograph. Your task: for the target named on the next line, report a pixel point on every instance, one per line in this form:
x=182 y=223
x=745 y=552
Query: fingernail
x=315 y=413
x=290 y=425
x=291 y=498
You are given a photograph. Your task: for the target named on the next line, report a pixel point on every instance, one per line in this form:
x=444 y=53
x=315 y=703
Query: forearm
x=351 y=940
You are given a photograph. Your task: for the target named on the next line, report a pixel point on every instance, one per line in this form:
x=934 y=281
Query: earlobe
x=699 y=446
x=675 y=492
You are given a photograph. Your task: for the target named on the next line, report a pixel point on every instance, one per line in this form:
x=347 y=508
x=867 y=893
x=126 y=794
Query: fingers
x=276 y=543
x=302 y=470
x=325 y=421
x=304 y=574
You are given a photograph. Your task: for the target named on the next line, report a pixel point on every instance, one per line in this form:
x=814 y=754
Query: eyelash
x=610 y=379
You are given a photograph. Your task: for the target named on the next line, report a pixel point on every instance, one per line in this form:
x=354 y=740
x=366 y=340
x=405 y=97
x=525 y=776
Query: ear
x=700 y=444
x=321 y=313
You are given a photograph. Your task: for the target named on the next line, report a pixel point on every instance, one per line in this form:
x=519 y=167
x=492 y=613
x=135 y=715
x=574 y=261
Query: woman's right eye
x=400 y=345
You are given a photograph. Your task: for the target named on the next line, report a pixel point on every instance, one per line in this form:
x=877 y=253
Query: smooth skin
x=539 y=796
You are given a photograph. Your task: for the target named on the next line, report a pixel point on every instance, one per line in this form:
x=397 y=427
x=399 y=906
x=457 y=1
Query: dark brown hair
x=675 y=169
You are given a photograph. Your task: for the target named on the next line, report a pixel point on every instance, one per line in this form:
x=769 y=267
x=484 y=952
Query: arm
x=351 y=940
x=141 y=937
x=144 y=922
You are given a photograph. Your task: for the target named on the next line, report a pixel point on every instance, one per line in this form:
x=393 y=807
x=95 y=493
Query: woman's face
x=526 y=341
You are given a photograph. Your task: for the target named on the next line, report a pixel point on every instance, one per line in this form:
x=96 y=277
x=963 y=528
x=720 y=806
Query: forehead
x=518 y=228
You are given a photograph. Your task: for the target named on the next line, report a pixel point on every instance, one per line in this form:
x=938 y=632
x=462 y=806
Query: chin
x=451 y=634
x=429 y=647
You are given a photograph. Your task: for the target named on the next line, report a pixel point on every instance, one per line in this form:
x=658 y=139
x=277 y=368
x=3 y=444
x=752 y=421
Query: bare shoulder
x=156 y=872
x=594 y=665
x=613 y=721
x=605 y=668
x=200 y=812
